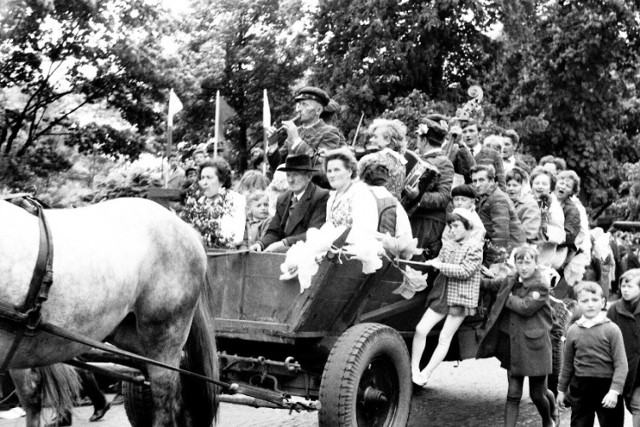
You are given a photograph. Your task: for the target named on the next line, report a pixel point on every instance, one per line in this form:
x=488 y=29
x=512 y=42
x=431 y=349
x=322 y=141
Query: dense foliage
x=61 y=56
x=568 y=87
x=251 y=45
x=563 y=73
x=372 y=52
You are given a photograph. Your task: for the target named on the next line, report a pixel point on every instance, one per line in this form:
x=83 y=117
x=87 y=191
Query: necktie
x=292 y=205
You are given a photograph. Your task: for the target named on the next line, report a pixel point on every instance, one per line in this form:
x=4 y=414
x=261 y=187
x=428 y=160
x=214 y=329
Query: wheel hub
x=374 y=396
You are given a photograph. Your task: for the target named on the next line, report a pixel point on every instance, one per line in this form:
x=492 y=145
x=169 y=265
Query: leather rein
x=41 y=282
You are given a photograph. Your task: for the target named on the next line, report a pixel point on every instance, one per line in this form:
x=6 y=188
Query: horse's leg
x=163 y=343
x=167 y=401
x=28 y=384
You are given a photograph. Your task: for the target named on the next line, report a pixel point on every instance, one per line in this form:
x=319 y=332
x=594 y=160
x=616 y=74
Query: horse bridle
x=41 y=282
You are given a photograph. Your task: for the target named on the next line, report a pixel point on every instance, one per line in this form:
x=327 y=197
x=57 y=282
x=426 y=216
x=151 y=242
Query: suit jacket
x=486 y=156
x=310 y=211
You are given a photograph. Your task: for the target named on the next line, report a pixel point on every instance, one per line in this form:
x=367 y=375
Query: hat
x=433 y=131
x=466 y=122
x=313 y=93
x=439 y=118
x=298 y=163
x=464 y=190
x=464 y=213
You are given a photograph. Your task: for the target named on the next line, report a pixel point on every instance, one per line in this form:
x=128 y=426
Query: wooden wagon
x=343 y=341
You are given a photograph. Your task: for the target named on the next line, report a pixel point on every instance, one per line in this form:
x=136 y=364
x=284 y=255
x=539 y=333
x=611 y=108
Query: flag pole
x=266 y=122
x=355 y=137
x=167 y=148
x=174 y=107
x=217 y=134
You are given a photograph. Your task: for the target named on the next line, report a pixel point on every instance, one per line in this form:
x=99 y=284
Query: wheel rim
x=378 y=392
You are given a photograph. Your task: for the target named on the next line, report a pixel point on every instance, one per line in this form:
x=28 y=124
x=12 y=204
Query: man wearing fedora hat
x=311 y=136
x=301 y=207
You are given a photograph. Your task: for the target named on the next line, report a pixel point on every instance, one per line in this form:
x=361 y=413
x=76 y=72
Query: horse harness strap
x=41 y=282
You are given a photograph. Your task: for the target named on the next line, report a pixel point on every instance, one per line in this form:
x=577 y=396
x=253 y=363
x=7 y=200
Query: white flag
x=266 y=111
x=175 y=106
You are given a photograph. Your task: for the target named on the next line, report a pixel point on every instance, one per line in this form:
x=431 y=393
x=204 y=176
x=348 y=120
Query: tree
x=248 y=46
x=371 y=52
x=64 y=55
x=570 y=82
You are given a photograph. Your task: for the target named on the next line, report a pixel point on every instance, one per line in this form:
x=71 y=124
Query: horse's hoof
x=99 y=413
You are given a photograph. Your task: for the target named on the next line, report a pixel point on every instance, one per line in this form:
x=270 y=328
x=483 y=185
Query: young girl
x=454 y=295
x=518 y=333
x=258 y=217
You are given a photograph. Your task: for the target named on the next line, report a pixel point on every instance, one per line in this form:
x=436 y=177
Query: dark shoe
x=60 y=421
x=99 y=413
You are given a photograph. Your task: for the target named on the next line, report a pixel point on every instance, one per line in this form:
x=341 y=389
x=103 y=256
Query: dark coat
x=530 y=325
x=629 y=324
x=429 y=219
x=311 y=211
x=571 y=221
x=319 y=136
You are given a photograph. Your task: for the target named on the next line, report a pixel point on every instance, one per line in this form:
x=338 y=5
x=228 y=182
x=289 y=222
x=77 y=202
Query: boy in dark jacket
x=626 y=314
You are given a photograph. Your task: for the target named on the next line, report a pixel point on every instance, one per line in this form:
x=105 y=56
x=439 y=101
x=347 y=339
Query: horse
x=128 y=272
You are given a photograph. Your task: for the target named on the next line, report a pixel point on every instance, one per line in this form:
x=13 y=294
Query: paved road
x=471 y=394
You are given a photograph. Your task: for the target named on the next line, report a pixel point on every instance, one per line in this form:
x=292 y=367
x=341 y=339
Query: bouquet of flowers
x=209 y=217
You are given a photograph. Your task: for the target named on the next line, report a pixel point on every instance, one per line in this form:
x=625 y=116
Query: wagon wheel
x=138 y=403
x=367 y=379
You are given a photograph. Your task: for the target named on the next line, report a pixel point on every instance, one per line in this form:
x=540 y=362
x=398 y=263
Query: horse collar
x=41 y=282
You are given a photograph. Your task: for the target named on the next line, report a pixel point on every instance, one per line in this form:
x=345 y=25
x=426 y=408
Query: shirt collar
x=590 y=323
x=298 y=196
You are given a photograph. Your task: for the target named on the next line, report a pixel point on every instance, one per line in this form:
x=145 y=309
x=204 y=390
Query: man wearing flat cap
x=428 y=220
x=301 y=207
x=312 y=136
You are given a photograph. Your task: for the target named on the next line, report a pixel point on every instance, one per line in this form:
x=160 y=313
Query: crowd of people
x=476 y=205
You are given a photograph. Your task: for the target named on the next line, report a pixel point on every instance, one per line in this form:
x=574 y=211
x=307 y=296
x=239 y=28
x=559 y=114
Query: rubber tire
x=349 y=360
x=138 y=403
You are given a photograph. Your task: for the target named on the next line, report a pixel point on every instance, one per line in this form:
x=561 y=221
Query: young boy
x=595 y=363
x=626 y=314
x=258 y=217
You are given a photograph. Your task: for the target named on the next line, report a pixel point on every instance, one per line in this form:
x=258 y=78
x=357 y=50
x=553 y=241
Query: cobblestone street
x=465 y=395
